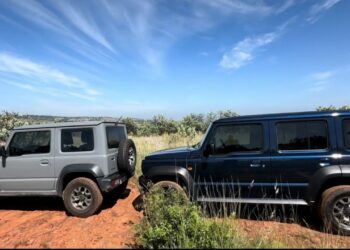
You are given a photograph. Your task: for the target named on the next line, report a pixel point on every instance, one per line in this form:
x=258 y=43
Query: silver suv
x=76 y=161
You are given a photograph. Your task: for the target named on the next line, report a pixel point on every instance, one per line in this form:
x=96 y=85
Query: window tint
x=307 y=135
x=115 y=135
x=346 y=132
x=73 y=140
x=36 y=142
x=237 y=138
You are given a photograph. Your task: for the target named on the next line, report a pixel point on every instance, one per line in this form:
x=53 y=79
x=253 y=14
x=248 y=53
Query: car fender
x=90 y=169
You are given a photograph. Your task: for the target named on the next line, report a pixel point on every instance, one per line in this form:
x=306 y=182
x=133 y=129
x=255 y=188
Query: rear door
x=300 y=148
x=343 y=135
x=29 y=166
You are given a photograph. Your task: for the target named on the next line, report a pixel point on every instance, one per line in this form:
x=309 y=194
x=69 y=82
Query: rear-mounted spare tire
x=127 y=157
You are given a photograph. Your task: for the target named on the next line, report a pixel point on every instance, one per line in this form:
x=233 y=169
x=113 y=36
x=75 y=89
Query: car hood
x=182 y=152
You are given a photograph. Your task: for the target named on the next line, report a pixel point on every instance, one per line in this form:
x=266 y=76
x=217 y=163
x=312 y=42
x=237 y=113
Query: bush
x=168 y=223
x=8 y=121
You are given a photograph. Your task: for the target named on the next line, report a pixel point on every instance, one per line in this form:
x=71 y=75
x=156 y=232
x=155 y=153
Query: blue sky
x=141 y=58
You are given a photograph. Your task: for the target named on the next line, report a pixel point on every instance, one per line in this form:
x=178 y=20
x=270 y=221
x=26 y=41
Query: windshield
x=199 y=144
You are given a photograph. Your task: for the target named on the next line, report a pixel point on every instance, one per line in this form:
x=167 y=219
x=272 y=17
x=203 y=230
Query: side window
x=80 y=139
x=35 y=142
x=346 y=133
x=305 y=135
x=237 y=138
x=115 y=135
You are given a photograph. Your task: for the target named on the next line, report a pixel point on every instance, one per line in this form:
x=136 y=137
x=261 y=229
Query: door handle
x=44 y=163
x=324 y=164
x=257 y=165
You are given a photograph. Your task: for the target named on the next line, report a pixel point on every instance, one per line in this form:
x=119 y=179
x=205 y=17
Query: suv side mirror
x=209 y=149
x=3 y=154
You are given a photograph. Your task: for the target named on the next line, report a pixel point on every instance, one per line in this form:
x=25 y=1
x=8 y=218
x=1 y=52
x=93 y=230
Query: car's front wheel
x=82 y=197
x=335 y=209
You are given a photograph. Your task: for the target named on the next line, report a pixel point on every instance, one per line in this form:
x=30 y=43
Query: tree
x=131 y=125
x=8 y=121
x=332 y=108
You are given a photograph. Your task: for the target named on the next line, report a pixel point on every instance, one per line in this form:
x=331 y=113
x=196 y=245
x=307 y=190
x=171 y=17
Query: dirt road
x=42 y=223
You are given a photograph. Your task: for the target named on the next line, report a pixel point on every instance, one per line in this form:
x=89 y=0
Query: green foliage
x=131 y=125
x=8 y=121
x=332 y=108
x=169 y=223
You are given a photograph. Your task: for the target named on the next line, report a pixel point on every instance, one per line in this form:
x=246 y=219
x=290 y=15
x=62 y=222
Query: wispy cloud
x=318 y=9
x=12 y=66
x=144 y=31
x=320 y=80
x=244 y=51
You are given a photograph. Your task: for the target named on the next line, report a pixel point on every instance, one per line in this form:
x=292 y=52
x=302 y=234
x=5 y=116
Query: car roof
x=296 y=115
x=65 y=124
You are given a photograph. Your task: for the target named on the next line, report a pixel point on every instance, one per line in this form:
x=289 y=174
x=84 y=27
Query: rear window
x=75 y=140
x=305 y=135
x=346 y=133
x=115 y=135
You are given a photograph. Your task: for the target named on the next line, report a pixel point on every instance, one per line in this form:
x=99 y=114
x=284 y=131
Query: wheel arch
x=73 y=171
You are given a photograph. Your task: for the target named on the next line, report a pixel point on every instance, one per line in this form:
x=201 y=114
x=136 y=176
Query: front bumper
x=112 y=181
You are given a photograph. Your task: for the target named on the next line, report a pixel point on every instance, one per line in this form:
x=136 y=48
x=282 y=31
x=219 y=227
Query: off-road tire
x=94 y=193
x=170 y=185
x=328 y=200
x=125 y=164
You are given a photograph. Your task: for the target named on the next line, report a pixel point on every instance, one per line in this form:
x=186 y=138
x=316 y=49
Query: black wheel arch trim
x=321 y=177
x=90 y=169
x=176 y=172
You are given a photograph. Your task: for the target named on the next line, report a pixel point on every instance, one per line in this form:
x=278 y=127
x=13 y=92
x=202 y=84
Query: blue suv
x=287 y=159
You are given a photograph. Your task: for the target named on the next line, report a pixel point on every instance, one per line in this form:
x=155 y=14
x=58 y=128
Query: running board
x=253 y=201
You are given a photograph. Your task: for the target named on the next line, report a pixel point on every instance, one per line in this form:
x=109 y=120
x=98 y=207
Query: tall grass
x=149 y=144
x=171 y=223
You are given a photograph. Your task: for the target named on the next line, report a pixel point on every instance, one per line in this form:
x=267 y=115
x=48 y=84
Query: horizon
x=143 y=58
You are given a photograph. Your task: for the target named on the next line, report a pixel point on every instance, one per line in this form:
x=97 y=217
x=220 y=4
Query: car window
x=346 y=133
x=237 y=138
x=77 y=140
x=114 y=135
x=305 y=135
x=35 y=142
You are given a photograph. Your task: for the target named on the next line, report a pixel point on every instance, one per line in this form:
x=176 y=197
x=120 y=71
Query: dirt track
x=42 y=223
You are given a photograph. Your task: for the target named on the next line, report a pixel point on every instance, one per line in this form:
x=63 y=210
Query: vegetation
x=170 y=223
x=332 y=108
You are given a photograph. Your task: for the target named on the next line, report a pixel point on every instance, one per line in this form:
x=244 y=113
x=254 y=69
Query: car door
x=239 y=166
x=300 y=149
x=343 y=135
x=29 y=163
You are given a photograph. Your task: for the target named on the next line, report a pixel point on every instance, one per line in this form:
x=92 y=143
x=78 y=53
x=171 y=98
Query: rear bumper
x=112 y=181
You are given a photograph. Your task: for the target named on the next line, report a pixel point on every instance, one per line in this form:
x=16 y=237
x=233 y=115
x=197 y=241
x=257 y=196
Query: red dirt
x=42 y=223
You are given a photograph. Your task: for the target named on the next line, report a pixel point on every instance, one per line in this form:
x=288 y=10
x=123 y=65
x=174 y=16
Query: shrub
x=169 y=223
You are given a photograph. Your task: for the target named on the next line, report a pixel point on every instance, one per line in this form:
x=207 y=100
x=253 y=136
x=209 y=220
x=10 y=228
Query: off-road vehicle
x=76 y=161
x=287 y=159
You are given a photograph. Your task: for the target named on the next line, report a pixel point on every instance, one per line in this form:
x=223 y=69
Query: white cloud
x=43 y=75
x=319 y=8
x=321 y=76
x=244 y=51
x=320 y=80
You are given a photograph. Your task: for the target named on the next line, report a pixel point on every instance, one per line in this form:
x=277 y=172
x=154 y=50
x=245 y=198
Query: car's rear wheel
x=82 y=197
x=335 y=209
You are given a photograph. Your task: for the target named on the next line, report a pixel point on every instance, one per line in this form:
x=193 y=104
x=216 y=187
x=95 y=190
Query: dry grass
x=146 y=145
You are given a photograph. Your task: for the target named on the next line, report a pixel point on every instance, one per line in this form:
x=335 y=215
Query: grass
x=146 y=145
x=165 y=225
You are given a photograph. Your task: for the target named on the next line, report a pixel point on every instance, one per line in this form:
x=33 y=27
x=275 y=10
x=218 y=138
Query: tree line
x=189 y=125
